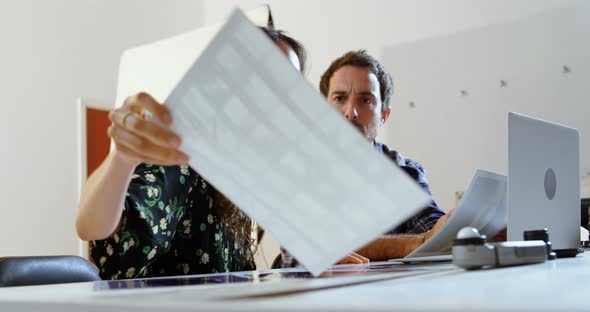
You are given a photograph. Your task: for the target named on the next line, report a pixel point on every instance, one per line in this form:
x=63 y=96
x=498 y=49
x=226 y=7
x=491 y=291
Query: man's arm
x=391 y=246
x=399 y=245
x=405 y=238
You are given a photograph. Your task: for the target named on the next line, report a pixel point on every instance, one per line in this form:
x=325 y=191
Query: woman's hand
x=140 y=138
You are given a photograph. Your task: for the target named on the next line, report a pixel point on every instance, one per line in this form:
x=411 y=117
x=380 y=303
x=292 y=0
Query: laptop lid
x=543 y=180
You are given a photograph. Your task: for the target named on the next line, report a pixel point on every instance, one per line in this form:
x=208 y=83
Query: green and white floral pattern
x=170 y=226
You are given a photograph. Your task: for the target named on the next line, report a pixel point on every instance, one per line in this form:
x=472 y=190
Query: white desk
x=554 y=285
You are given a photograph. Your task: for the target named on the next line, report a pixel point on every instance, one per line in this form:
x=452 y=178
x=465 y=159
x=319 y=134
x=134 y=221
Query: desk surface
x=553 y=285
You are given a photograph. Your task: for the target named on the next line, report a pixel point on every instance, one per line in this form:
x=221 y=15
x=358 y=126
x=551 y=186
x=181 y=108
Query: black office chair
x=43 y=270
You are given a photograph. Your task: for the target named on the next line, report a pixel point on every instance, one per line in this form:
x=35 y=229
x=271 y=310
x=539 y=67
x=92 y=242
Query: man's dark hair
x=279 y=35
x=362 y=59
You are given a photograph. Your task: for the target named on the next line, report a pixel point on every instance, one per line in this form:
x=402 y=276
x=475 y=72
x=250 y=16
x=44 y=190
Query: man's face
x=354 y=91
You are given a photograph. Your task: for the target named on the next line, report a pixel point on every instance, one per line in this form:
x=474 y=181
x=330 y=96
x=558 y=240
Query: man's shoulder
x=398 y=158
x=413 y=168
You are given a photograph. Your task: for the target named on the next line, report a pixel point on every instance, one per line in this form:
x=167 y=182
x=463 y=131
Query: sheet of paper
x=484 y=206
x=157 y=67
x=263 y=136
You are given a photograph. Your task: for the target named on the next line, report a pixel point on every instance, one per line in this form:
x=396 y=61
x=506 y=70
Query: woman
x=148 y=214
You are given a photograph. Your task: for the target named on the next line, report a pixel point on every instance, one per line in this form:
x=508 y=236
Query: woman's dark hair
x=279 y=35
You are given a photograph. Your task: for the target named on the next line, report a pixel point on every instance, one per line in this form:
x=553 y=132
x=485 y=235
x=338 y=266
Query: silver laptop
x=543 y=180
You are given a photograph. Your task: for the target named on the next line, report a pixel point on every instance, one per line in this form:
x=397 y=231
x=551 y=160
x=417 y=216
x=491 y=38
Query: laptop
x=544 y=181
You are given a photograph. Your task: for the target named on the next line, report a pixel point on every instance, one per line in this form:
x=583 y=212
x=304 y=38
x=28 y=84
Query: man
x=358 y=86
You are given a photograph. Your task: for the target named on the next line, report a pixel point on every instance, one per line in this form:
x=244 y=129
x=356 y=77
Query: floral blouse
x=170 y=226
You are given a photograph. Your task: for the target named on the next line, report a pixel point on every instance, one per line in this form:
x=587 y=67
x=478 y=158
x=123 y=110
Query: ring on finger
x=124 y=119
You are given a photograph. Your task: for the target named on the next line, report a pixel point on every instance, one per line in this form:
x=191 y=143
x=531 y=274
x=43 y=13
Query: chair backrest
x=25 y=271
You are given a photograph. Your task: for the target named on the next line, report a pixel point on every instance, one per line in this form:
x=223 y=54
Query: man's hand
x=139 y=139
x=353 y=258
x=502 y=236
x=438 y=225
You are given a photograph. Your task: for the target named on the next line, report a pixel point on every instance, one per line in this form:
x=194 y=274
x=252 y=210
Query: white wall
x=453 y=135
x=331 y=27
x=50 y=53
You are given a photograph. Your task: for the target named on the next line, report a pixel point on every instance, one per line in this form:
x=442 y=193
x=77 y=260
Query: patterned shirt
x=170 y=226
x=427 y=217
x=421 y=222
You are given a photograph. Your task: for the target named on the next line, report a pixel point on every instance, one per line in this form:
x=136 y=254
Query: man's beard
x=369 y=132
